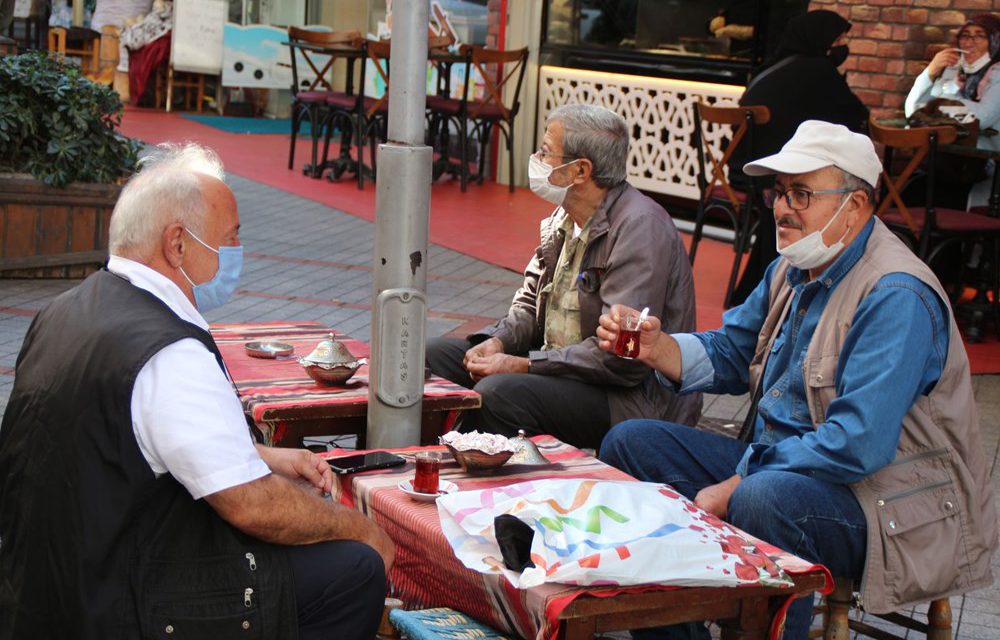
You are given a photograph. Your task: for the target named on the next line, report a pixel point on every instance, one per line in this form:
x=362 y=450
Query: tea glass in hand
x=428 y=470
x=627 y=344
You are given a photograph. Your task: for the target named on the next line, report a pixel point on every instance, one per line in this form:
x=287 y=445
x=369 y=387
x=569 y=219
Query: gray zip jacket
x=634 y=256
x=932 y=522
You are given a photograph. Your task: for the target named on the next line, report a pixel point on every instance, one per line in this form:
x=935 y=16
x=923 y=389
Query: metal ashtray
x=268 y=349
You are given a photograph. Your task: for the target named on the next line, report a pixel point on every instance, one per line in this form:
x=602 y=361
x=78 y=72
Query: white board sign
x=196 y=43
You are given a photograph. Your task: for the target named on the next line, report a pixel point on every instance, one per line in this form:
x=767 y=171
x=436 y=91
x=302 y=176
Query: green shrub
x=58 y=126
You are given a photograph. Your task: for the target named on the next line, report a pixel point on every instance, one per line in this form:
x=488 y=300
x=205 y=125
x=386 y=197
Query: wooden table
x=427 y=573
x=285 y=403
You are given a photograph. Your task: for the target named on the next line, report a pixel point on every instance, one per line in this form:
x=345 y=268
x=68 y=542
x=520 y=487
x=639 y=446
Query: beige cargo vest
x=932 y=523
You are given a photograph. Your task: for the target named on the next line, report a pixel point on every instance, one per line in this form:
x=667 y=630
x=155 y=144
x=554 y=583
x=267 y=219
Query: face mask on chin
x=214 y=293
x=972 y=67
x=810 y=251
x=538 y=178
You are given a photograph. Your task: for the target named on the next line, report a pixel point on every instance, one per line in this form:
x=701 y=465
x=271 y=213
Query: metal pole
x=402 y=215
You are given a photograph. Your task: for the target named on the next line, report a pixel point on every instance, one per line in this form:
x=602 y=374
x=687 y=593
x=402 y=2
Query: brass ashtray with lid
x=331 y=363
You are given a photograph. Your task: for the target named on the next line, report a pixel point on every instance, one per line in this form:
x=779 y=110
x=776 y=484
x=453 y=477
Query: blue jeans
x=817 y=521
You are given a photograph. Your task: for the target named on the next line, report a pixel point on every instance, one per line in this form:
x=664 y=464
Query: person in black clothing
x=801 y=82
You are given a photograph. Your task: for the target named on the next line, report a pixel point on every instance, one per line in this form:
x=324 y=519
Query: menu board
x=196 y=43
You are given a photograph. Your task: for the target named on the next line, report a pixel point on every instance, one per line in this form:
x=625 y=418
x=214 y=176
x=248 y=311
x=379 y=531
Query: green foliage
x=58 y=126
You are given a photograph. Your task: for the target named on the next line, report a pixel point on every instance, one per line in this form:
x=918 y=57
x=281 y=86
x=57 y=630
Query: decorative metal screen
x=659 y=112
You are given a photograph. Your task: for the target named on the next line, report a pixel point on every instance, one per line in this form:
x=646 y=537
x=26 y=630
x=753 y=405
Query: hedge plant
x=59 y=126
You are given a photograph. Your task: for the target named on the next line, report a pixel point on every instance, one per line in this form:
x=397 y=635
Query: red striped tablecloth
x=426 y=572
x=272 y=388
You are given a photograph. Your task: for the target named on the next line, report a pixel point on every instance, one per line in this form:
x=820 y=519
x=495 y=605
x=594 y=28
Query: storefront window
x=469 y=19
x=713 y=38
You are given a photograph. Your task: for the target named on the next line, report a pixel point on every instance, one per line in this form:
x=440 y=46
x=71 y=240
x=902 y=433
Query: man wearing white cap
x=861 y=450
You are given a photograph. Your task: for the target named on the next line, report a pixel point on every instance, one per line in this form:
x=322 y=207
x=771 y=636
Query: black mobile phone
x=365 y=462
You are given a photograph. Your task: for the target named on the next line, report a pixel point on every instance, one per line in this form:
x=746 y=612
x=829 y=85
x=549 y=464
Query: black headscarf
x=810 y=34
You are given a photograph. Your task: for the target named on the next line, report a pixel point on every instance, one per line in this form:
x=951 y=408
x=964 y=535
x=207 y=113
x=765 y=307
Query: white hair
x=166 y=190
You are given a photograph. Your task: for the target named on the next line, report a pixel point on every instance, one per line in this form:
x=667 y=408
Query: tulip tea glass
x=627 y=344
x=428 y=470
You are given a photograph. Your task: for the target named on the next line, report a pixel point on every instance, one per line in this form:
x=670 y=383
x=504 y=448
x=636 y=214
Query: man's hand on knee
x=497 y=363
x=484 y=349
x=715 y=498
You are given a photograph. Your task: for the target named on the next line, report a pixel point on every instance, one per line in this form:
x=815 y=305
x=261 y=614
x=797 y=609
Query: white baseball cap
x=817 y=144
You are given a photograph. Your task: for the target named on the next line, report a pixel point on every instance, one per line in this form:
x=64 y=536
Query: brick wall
x=892 y=41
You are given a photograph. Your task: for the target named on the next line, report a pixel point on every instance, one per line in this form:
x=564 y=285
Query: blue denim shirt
x=893 y=353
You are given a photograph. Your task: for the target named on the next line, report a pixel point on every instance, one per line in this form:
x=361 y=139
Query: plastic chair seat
x=341 y=100
x=446 y=105
x=313 y=96
x=719 y=193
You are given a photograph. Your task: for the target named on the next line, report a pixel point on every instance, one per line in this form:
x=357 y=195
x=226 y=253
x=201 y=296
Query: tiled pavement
x=306 y=261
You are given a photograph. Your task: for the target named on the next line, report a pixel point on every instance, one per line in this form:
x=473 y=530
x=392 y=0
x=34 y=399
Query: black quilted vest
x=92 y=545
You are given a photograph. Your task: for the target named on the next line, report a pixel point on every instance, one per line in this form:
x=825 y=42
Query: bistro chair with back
x=318 y=49
x=929 y=229
x=367 y=117
x=501 y=72
x=716 y=193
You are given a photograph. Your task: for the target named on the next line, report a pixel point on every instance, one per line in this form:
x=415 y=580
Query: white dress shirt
x=185 y=414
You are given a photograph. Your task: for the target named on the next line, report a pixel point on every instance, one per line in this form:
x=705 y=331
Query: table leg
x=751 y=623
x=578 y=629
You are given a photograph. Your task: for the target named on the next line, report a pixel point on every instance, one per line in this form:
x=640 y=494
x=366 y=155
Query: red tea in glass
x=627 y=344
x=428 y=469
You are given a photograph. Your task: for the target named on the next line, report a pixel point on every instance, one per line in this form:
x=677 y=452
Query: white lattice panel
x=659 y=112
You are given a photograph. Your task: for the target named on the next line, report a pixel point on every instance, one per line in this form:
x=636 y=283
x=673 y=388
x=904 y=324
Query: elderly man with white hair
x=863 y=449
x=133 y=500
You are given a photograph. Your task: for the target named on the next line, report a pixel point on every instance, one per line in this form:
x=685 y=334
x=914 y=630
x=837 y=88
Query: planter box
x=48 y=232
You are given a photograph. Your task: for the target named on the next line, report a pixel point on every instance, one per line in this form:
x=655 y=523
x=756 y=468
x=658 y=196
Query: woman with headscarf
x=801 y=82
x=968 y=74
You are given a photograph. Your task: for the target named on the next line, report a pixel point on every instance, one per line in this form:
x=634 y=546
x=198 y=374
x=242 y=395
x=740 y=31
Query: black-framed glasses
x=796 y=199
x=981 y=37
x=542 y=155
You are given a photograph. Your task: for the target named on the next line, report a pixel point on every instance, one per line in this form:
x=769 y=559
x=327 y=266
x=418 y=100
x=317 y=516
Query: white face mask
x=972 y=67
x=538 y=178
x=810 y=251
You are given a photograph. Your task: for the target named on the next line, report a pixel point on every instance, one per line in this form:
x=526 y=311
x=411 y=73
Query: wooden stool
x=192 y=83
x=8 y=47
x=837 y=623
x=77 y=42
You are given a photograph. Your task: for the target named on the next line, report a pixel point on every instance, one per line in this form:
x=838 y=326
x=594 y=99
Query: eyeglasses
x=981 y=37
x=796 y=199
x=542 y=155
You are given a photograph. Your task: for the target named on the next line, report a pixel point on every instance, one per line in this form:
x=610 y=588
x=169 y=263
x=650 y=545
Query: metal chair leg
x=296 y=123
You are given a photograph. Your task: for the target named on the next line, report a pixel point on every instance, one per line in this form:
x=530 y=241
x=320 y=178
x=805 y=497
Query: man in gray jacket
x=864 y=454
x=540 y=368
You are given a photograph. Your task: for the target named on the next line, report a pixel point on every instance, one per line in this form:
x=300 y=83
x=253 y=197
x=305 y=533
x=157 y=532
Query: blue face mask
x=214 y=293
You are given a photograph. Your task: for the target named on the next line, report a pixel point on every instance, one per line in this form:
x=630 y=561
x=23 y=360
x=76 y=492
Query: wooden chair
x=930 y=229
x=716 y=192
x=8 y=47
x=310 y=97
x=76 y=42
x=499 y=70
x=837 y=623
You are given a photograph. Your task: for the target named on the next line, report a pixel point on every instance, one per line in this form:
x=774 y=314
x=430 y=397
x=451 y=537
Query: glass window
x=469 y=19
x=740 y=31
